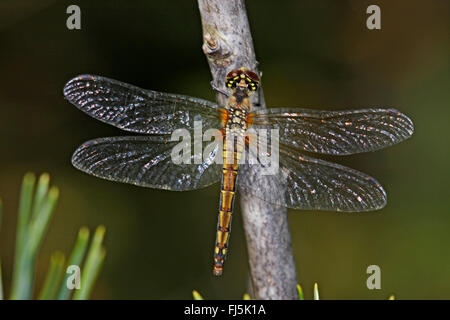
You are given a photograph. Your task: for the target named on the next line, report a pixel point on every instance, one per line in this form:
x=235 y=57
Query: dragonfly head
x=242 y=79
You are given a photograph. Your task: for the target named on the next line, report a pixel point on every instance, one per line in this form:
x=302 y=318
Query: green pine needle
x=19 y=286
x=92 y=265
x=316 y=291
x=36 y=209
x=197 y=295
x=75 y=259
x=246 y=297
x=39 y=223
x=54 y=275
x=41 y=192
x=300 y=292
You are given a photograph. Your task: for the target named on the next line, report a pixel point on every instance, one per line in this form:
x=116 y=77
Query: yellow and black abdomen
x=233 y=146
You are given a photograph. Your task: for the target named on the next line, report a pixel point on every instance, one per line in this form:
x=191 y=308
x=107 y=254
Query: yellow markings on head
x=242 y=79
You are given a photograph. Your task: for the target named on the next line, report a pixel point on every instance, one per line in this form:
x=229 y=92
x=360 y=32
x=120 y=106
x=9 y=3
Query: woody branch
x=228 y=45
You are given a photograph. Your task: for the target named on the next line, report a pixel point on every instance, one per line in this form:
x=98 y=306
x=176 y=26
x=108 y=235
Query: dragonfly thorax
x=236 y=120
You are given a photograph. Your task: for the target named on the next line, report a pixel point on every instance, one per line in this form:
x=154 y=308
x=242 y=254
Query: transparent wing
x=337 y=132
x=146 y=161
x=137 y=110
x=303 y=182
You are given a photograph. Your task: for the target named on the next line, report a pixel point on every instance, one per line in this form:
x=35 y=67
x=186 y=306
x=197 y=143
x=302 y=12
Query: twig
x=228 y=45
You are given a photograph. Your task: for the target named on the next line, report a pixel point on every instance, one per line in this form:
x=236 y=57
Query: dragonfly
x=301 y=181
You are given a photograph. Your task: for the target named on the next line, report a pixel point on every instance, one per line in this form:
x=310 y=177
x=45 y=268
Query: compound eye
x=233 y=73
x=252 y=75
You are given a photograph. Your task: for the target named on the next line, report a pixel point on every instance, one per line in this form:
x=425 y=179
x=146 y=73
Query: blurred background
x=316 y=54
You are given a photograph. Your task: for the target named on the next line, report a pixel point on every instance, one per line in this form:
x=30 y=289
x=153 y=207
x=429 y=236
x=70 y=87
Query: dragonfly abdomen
x=231 y=158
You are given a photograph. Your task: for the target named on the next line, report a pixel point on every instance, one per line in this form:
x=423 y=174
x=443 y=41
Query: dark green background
x=316 y=54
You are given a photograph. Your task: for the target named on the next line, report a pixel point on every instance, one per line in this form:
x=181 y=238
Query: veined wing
x=137 y=110
x=307 y=183
x=337 y=132
x=146 y=161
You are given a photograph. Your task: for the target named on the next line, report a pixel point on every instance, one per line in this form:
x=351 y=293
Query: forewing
x=337 y=132
x=307 y=183
x=137 y=110
x=146 y=161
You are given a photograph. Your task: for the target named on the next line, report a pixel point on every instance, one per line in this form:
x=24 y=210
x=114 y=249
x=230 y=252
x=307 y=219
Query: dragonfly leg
x=216 y=89
x=258 y=99
x=257 y=103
